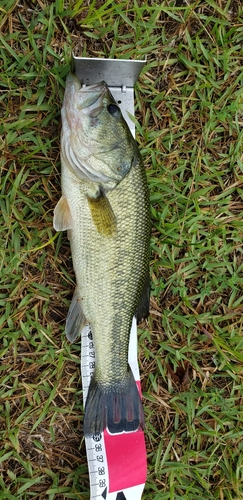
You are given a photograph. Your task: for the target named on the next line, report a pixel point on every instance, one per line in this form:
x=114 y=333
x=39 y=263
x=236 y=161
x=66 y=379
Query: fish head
x=96 y=141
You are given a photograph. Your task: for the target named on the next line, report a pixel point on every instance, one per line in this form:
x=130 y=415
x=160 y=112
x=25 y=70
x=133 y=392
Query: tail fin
x=116 y=406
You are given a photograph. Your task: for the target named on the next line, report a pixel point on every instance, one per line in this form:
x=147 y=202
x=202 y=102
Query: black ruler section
x=104 y=494
x=120 y=496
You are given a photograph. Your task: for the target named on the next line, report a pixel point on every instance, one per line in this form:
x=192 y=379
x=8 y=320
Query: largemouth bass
x=105 y=207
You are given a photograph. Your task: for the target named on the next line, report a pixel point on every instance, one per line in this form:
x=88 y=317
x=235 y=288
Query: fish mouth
x=95 y=87
x=89 y=99
x=85 y=99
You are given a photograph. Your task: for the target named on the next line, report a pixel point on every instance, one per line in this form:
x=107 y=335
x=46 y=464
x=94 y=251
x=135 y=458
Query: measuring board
x=117 y=462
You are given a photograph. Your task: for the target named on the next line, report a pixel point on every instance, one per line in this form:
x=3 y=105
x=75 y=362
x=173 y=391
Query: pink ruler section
x=126 y=456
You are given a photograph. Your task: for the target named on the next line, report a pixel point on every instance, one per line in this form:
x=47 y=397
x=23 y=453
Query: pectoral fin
x=102 y=213
x=75 y=319
x=62 y=215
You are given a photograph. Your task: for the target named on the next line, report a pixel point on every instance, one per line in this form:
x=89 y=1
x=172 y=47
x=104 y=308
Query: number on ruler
x=102 y=483
x=97 y=436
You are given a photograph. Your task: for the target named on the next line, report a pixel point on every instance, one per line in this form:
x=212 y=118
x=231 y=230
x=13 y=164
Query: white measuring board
x=117 y=462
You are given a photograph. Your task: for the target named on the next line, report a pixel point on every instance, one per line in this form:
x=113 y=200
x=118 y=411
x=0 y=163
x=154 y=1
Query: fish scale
x=105 y=307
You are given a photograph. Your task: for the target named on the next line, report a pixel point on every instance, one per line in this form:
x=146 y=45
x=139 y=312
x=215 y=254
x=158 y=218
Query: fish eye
x=114 y=110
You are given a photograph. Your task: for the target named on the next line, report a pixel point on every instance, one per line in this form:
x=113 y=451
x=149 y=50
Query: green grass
x=189 y=110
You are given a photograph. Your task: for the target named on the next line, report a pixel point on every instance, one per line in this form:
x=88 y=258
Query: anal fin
x=75 y=319
x=102 y=213
x=62 y=219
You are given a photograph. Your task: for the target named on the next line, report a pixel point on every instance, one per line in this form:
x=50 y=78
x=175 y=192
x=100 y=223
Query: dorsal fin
x=142 y=310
